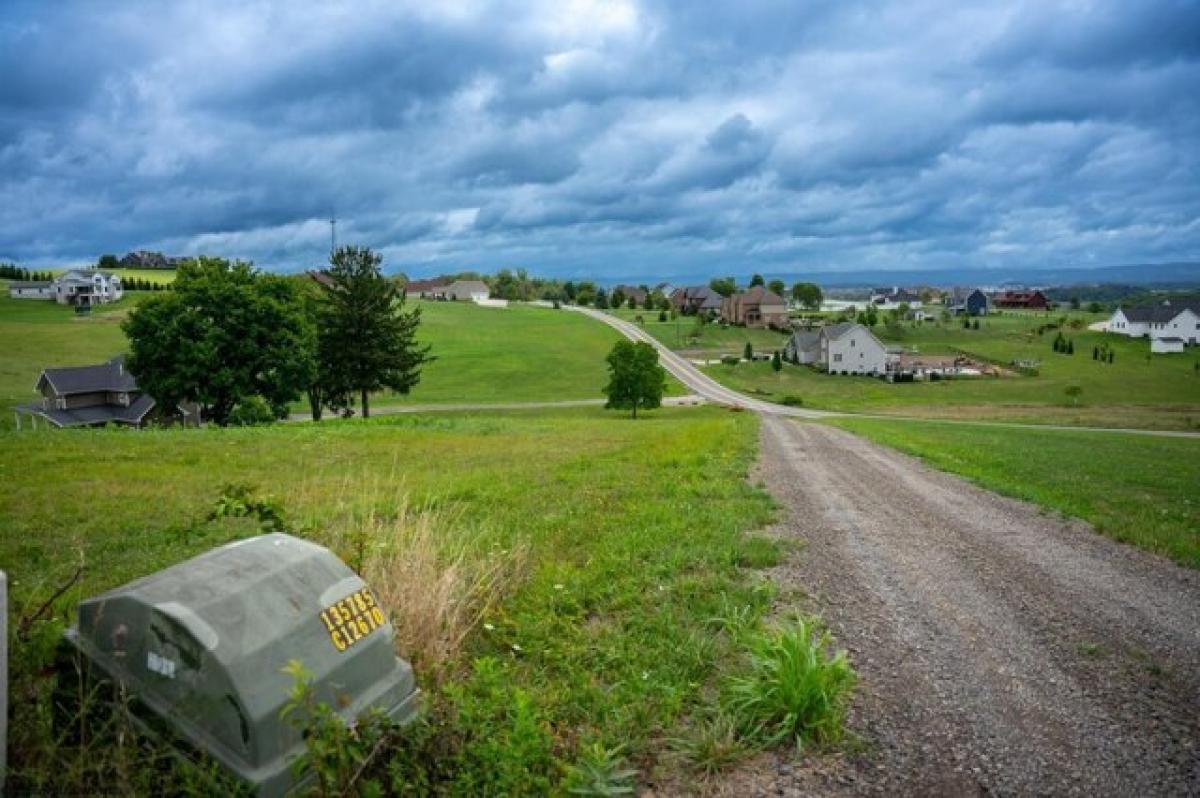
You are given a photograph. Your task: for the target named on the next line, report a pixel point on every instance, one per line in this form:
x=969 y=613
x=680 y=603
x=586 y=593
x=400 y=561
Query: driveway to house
x=1000 y=649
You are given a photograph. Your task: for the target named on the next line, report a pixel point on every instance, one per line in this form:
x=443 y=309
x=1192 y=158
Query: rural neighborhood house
x=92 y=396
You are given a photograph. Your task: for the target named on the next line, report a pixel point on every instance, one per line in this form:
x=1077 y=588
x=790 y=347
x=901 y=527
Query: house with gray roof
x=31 y=289
x=1168 y=319
x=845 y=348
x=696 y=299
x=92 y=396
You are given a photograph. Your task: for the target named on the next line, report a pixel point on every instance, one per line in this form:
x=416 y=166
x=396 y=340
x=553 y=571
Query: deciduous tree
x=226 y=333
x=636 y=380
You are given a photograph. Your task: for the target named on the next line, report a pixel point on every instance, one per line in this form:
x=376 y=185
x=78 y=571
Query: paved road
x=1000 y=649
x=694 y=378
x=705 y=386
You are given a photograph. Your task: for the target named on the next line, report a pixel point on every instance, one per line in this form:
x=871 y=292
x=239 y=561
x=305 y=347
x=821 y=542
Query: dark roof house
x=89 y=396
x=1030 y=300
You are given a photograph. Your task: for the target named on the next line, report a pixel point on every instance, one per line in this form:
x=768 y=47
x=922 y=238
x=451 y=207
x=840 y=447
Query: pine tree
x=748 y=352
x=364 y=321
x=777 y=361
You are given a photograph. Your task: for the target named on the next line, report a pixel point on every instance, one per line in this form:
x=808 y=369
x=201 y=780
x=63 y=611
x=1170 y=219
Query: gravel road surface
x=1001 y=650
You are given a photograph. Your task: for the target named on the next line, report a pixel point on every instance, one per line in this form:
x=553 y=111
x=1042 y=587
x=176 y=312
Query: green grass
x=1136 y=489
x=485 y=355
x=635 y=532
x=711 y=339
x=516 y=354
x=1134 y=391
x=163 y=276
x=37 y=334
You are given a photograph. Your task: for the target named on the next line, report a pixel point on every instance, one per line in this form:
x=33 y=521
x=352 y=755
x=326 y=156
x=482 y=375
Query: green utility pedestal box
x=202 y=646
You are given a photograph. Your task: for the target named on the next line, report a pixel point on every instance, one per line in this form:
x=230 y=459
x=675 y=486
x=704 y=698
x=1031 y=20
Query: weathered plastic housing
x=202 y=645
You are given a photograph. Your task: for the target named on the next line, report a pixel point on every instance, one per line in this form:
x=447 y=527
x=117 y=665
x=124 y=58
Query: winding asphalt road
x=696 y=380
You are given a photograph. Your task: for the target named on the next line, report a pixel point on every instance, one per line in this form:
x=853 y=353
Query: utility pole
x=332 y=234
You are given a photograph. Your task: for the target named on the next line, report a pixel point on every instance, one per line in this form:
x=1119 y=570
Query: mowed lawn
x=710 y=340
x=1136 y=390
x=484 y=355
x=37 y=334
x=520 y=353
x=1134 y=488
x=635 y=532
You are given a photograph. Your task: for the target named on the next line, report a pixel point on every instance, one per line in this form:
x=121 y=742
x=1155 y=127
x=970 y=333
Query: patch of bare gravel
x=1000 y=649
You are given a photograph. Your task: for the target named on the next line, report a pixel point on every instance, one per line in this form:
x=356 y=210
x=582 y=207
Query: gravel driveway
x=1000 y=649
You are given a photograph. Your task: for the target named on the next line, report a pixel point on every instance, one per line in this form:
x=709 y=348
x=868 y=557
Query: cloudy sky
x=604 y=138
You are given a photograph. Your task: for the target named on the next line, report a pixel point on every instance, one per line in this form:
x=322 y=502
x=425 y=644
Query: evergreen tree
x=777 y=361
x=756 y=280
x=365 y=324
x=748 y=352
x=635 y=377
x=1070 y=347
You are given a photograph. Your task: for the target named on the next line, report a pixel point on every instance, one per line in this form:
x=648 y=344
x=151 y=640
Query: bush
x=748 y=352
x=796 y=690
x=792 y=401
x=662 y=315
x=252 y=411
x=730 y=360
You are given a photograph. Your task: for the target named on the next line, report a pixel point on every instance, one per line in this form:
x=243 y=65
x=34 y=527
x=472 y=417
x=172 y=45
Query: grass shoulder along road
x=1135 y=489
x=609 y=551
x=1135 y=390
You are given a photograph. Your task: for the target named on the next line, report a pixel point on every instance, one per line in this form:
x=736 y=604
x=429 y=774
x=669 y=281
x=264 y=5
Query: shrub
x=662 y=315
x=748 y=352
x=796 y=689
x=431 y=573
x=251 y=411
x=792 y=401
x=713 y=746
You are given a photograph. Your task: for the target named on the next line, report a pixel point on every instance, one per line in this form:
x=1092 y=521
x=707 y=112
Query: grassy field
x=163 y=276
x=485 y=355
x=516 y=354
x=711 y=340
x=1136 y=390
x=37 y=334
x=1136 y=489
x=634 y=536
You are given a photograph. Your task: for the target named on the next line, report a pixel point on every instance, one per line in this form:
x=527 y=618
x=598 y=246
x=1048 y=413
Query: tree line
x=11 y=271
x=243 y=344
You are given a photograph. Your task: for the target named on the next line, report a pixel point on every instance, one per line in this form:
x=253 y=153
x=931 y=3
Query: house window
x=837 y=358
x=851 y=342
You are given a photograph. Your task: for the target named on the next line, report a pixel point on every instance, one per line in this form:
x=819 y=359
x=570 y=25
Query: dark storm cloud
x=604 y=137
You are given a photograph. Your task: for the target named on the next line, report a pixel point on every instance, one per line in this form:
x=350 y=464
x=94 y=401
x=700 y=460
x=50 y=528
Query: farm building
x=1021 y=300
x=970 y=301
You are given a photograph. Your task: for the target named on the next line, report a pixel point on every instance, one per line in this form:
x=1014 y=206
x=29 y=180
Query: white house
x=87 y=287
x=1167 y=319
x=31 y=290
x=845 y=348
x=464 y=290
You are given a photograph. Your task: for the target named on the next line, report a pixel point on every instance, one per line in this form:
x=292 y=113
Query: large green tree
x=725 y=286
x=227 y=333
x=808 y=294
x=635 y=378
x=372 y=338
